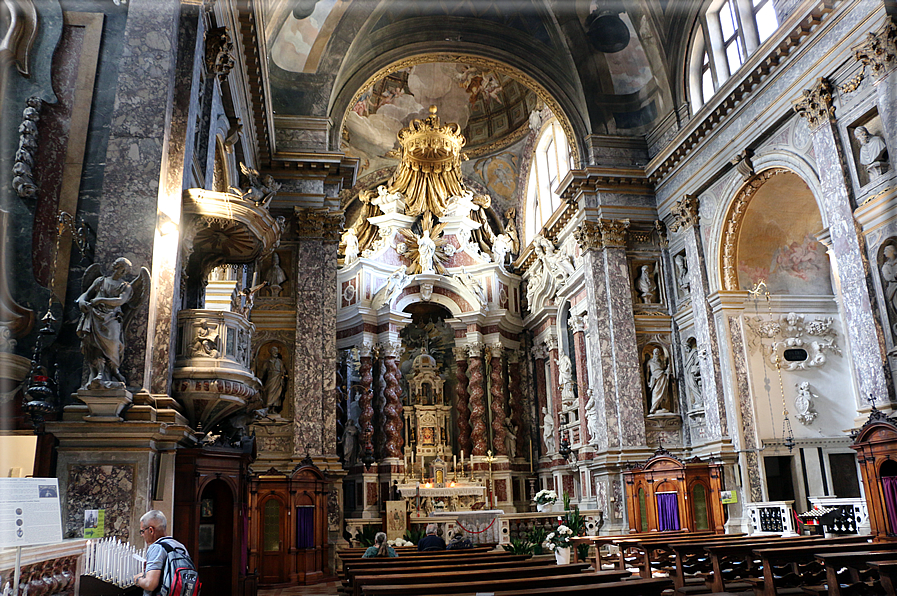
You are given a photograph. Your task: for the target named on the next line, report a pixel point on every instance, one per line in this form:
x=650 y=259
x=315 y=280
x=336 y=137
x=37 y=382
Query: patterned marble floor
x=323 y=589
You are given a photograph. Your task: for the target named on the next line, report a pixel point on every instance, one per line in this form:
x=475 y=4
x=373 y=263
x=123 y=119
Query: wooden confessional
x=666 y=493
x=288 y=525
x=210 y=513
x=876 y=446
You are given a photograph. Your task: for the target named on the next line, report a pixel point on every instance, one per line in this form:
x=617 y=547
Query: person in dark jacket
x=431 y=541
x=459 y=541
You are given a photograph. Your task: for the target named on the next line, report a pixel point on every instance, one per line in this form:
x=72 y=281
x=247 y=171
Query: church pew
x=547 y=583
x=599 y=541
x=383 y=563
x=635 y=587
x=793 y=556
x=887 y=571
x=723 y=555
x=457 y=575
x=648 y=550
x=855 y=563
x=412 y=552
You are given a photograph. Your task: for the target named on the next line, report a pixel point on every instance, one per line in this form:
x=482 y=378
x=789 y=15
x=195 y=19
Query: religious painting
x=395 y=519
x=207 y=508
x=777 y=242
x=428 y=435
x=303 y=34
x=206 y=537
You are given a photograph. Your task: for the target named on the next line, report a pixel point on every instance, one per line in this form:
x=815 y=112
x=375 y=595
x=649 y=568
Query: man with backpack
x=169 y=570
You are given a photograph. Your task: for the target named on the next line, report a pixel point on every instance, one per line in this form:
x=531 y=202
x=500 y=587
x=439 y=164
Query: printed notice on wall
x=29 y=511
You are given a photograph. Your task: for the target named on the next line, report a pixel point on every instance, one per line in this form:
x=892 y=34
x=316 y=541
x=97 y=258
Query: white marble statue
x=645 y=284
x=260 y=190
x=275 y=276
x=501 y=248
x=681 y=272
x=511 y=437
x=350 y=443
x=426 y=250
x=548 y=430
x=873 y=151
x=394 y=284
x=107 y=305
x=556 y=263
x=889 y=279
x=474 y=285
x=658 y=382
x=350 y=239
x=692 y=372
x=592 y=415
x=389 y=202
x=565 y=378
x=803 y=403
x=273 y=377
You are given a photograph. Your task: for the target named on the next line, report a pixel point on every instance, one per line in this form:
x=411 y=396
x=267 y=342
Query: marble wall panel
x=308 y=358
x=98 y=486
x=600 y=351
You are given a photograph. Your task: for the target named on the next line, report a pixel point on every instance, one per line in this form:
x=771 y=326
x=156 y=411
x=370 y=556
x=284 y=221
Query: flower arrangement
x=560 y=538
x=545 y=497
x=399 y=542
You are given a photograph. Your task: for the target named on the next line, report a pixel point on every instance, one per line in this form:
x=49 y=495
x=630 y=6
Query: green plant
x=582 y=550
x=366 y=534
x=566 y=501
x=520 y=546
x=574 y=520
x=536 y=537
x=414 y=535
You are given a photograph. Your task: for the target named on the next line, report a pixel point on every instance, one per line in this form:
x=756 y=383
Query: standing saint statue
x=107 y=305
x=350 y=443
x=511 y=437
x=427 y=250
x=548 y=430
x=273 y=378
x=592 y=416
x=566 y=381
x=658 y=382
x=351 y=241
x=692 y=367
x=275 y=276
x=646 y=286
x=889 y=277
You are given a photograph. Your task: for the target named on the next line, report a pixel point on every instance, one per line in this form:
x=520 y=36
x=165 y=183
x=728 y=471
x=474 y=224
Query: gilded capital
x=685 y=213
x=613 y=232
x=319 y=223
x=588 y=235
x=540 y=352
x=475 y=349
x=879 y=51
x=816 y=104
x=460 y=353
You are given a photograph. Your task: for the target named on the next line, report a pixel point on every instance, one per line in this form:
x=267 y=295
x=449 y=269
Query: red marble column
x=499 y=393
x=578 y=325
x=552 y=344
x=393 y=418
x=515 y=400
x=541 y=355
x=463 y=405
x=477 y=403
x=366 y=401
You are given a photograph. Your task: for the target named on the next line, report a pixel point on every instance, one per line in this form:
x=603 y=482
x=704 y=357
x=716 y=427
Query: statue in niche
x=107 y=305
x=693 y=374
x=658 y=379
x=273 y=377
x=275 y=276
x=548 y=430
x=803 y=403
x=873 y=151
x=889 y=277
x=350 y=443
x=565 y=378
x=681 y=272
x=511 y=230
x=511 y=437
x=592 y=415
x=350 y=239
x=645 y=284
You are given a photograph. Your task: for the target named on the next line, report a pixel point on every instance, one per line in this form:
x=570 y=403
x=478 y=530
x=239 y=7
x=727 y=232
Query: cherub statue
x=257 y=189
x=107 y=305
x=394 y=284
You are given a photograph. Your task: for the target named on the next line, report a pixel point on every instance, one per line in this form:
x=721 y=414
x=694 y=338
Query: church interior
x=394 y=263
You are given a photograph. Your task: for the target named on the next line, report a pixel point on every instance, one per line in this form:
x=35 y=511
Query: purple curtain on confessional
x=889 y=485
x=668 y=511
x=305 y=530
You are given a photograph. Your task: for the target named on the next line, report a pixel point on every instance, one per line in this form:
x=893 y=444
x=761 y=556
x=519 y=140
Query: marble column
x=393 y=420
x=540 y=354
x=578 y=325
x=462 y=400
x=366 y=400
x=477 y=401
x=516 y=401
x=499 y=393
x=620 y=397
x=687 y=222
x=853 y=277
x=314 y=374
x=150 y=140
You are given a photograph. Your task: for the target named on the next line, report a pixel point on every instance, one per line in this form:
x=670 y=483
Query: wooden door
x=273 y=543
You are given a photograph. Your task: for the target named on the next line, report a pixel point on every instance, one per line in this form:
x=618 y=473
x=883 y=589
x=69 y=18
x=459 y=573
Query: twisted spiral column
x=477 y=404
x=463 y=405
x=515 y=399
x=499 y=398
x=393 y=419
x=366 y=403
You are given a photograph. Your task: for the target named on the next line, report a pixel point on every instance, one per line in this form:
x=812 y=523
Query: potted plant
x=559 y=542
x=545 y=499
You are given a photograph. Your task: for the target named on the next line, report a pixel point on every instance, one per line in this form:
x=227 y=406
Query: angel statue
x=259 y=190
x=427 y=251
x=107 y=305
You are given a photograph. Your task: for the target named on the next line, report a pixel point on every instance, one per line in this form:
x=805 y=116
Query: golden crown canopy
x=430 y=172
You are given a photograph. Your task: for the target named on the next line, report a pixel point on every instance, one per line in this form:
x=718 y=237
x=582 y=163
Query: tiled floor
x=324 y=589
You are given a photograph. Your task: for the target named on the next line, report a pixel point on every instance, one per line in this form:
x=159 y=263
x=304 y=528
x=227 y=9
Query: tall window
x=765 y=17
x=732 y=43
x=551 y=162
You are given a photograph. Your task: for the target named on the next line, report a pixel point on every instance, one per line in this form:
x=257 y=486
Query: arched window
x=728 y=32
x=550 y=163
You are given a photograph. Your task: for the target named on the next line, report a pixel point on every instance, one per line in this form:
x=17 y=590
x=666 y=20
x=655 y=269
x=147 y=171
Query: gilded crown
x=428 y=143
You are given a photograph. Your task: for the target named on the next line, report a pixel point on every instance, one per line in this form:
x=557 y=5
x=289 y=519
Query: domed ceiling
x=491 y=108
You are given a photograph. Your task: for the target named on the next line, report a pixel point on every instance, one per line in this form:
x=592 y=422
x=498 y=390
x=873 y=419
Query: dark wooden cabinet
x=288 y=526
x=876 y=447
x=666 y=493
x=210 y=514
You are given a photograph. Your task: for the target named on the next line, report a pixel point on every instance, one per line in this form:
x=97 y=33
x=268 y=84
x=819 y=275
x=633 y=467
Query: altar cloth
x=410 y=490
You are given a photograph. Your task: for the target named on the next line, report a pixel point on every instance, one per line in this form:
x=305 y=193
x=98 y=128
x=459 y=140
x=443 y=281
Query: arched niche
x=769 y=234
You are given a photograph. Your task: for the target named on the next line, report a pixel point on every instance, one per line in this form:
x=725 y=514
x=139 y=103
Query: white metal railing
x=771 y=517
x=854 y=516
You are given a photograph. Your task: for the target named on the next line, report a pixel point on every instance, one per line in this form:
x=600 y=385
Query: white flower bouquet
x=560 y=538
x=545 y=497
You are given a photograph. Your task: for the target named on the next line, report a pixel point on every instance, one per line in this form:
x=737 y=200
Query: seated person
x=380 y=548
x=459 y=541
x=431 y=541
